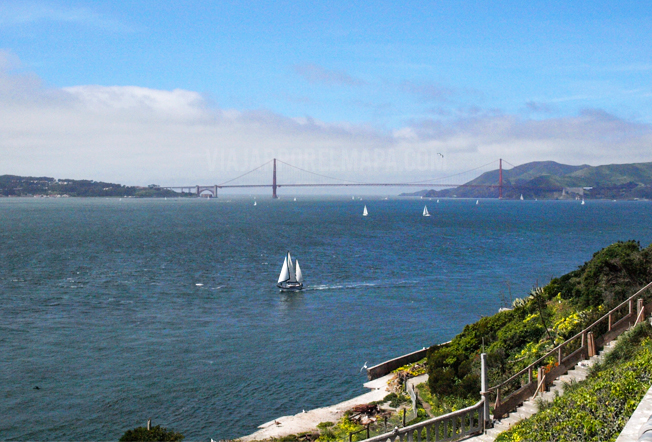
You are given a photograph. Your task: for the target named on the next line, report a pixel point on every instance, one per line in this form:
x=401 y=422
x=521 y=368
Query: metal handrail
x=586 y=330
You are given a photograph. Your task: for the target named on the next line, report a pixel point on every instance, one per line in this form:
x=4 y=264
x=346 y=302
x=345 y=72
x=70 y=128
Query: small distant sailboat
x=255 y=202
x=477 y=202
x=290 y=278
x=437 y=201
x=295 y=199
x=582 y=201
x=364 y=211
x=521 y=197
x=352 y=197
x=425 y=211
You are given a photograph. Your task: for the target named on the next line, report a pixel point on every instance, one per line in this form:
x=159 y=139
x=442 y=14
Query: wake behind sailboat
x=290 y=279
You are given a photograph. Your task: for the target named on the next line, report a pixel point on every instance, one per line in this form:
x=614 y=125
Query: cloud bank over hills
x=137 y=135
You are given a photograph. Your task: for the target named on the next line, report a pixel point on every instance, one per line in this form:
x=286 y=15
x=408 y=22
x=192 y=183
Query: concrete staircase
x=529 y=407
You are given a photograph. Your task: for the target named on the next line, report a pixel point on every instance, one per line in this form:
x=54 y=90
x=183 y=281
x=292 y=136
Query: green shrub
x=155 y=434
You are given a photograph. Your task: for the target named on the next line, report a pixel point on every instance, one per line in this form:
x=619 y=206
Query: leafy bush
x=155 y=434
x=613 y=274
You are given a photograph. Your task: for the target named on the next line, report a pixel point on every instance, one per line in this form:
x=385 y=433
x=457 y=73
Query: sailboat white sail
x=364 y=211
x=285 y=275
x=521 y=197
x=298 y=272
x=425 y=211
x=290 y=279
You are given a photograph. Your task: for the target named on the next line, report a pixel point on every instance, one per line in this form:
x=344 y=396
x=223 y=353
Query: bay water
x=123 y=310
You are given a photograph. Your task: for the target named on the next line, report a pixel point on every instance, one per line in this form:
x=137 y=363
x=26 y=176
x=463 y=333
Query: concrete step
x=531 y=409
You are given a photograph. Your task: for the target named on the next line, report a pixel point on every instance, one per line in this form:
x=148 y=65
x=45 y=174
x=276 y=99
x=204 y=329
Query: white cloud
x=136 y=135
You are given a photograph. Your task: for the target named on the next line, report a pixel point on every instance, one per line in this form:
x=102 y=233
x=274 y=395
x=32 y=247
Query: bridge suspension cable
x=245 y=174
x=450 y=176
x=320 y=175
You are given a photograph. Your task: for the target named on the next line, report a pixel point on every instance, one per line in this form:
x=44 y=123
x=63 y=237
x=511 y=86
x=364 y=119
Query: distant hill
x=551 y=180
x=13 y=185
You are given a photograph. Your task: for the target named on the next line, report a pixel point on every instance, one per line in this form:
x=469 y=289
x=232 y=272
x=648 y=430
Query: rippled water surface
x=121 y=311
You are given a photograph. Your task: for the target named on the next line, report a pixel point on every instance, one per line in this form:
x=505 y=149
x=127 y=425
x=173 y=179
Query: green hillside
x=13 y=185
x=551 y=180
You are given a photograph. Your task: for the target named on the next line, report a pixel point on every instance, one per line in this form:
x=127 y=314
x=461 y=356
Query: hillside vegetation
x=12 y=185
x=548 y=316
x=551 y=180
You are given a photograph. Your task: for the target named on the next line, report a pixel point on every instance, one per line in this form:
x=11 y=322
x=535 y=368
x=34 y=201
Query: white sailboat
x=364 y=211
x=582 y=201
x=255 y=202
x=425 y=211
x=290 y=278
x=477 y=202
x=521 y=197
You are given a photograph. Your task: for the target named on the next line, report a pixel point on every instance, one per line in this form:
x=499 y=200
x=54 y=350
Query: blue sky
x=566 y=81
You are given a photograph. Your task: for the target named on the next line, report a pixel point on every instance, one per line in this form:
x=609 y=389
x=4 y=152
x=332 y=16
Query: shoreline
x=308 y=420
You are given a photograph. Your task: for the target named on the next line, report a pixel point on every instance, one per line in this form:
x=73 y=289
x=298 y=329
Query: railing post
x=639 y=308
x=541 y=376
x=483 y=389
x=610 y=320
x=591 y=344
x=560 y=354
x=529 y=375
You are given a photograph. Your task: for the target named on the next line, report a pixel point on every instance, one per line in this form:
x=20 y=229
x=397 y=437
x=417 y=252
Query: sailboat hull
x=290 y=286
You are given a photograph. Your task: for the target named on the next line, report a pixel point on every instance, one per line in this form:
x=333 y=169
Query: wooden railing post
x=529 y=375
x=541 y=376
x=610 y=320
x=640 y=313
x=497 y=398
x=591 y=344
x=560 y=354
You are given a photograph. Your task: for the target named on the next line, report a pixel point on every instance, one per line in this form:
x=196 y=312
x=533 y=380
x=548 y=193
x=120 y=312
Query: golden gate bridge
x=275 y=184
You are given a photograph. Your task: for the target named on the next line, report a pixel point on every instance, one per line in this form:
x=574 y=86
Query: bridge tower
x=500 y=179
x=274 y=181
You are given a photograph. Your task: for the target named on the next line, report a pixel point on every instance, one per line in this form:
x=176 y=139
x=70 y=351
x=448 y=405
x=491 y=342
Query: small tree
x=155 y=434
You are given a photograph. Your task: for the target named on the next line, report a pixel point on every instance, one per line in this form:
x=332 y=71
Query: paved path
x=640 y=416
x=308 y=420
